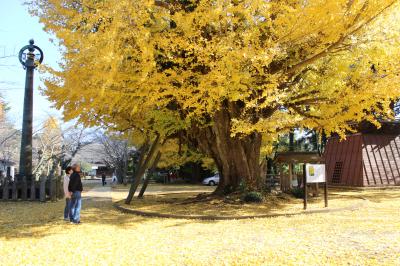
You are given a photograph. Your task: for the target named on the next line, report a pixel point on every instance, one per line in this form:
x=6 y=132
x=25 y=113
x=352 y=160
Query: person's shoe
x=66 y=219
x=78 y=222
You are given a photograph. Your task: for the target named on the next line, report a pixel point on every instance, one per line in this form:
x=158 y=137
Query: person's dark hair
x=69 y=168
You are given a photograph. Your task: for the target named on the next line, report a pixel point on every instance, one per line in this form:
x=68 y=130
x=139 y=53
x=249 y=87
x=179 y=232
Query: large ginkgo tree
x=225 y=76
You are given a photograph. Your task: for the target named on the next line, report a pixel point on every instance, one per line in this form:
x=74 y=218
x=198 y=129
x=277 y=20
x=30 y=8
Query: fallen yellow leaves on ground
x=187 y=203
x=35 y=234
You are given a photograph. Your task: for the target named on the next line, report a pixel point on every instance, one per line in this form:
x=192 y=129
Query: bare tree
x=116 y=152
x=74 y=140
x=9 y=142
x=9 y=138
x=54 y=145
x=47 y=149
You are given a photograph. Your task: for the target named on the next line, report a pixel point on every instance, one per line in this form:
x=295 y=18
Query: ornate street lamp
x=30 y=60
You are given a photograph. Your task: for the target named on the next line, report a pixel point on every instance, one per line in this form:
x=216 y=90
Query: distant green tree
x=86 y=167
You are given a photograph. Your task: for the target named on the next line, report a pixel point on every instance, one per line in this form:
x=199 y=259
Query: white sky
x=16 y=28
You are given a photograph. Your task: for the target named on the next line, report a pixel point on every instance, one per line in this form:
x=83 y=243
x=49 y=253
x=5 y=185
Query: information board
x=315 y=173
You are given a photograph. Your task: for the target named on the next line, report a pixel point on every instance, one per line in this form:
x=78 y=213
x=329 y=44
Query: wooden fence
x=47 y=188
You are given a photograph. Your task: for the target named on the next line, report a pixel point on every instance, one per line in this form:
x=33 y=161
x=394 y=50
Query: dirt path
x=98 y=193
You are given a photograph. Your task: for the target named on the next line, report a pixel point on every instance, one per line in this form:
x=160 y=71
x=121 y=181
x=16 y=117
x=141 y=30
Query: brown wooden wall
x=363 y=160
x=381 y=157
x=344 y=159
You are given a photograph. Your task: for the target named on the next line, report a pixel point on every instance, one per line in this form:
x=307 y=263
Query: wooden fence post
x=52 y=188
x=14 y=190
x=42 y=196
x=305 y=186
x=289 y=184
x=281 y=178
x=24 y=189
x=33 y=189
x=60 y=190
x=6 y=189
x=326 y=194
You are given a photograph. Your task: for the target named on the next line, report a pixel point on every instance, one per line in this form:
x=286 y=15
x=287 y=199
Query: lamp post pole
x=30 y=63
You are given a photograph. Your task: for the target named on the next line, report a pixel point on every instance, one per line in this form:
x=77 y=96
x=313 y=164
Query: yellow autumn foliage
x=195 y=68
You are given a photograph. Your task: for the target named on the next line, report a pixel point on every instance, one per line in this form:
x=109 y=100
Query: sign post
x=314 y=173
x=326 y=194
x=305 y=187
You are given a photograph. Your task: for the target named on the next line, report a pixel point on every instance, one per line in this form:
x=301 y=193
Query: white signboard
x=315 y=173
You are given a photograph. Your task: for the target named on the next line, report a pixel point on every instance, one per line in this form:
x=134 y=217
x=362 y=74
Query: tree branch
x=334 y=45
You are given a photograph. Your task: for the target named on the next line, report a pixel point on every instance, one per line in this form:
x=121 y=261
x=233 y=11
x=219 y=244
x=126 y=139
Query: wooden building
x=367 y=159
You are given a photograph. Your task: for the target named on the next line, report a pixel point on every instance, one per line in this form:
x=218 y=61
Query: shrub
x=228 y=190
x=243 y=186
x=297 y=193
x=253 y=196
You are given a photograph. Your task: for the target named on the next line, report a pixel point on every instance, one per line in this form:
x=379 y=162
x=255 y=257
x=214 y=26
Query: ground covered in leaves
x=193 y=203
x=35 y=234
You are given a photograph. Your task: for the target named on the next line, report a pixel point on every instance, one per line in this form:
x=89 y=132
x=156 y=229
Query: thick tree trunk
x=142 y=167
x=238 y=161
x=126 y=161
x=150 y=173
x=237 y=158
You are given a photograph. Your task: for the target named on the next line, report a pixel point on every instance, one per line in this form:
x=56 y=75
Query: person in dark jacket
x=103 y=179
x=75 y=187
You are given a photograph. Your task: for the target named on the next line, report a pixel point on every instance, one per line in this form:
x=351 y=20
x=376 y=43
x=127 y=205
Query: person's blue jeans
x=76 y=204
x=67 y=208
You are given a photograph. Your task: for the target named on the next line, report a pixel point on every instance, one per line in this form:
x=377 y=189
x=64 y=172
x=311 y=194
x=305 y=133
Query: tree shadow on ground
x=188 y=204
x=36 y=220
x=382 y=196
